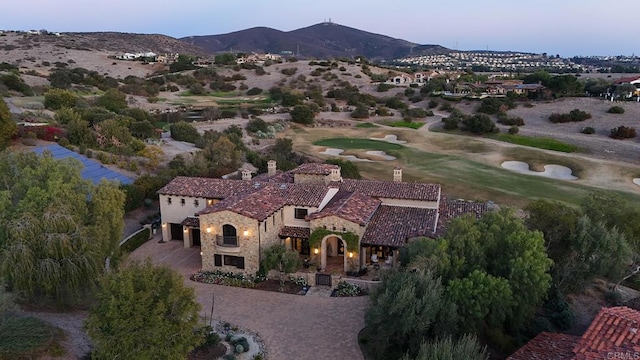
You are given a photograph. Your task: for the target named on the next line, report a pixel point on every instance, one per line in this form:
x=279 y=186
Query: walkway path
x=292 y=326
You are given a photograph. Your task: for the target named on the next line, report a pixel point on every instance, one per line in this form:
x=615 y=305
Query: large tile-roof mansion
x=310 y=209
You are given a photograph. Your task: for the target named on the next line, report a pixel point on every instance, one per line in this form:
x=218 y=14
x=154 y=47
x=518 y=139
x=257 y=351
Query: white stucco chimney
x=397 y=174
x=271 y=168
x=246 y=174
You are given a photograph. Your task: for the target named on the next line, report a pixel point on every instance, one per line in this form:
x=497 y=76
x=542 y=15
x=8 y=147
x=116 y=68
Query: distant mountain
x=317 y=41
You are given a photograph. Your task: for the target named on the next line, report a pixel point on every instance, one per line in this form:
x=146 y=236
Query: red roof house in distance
x=613 y=334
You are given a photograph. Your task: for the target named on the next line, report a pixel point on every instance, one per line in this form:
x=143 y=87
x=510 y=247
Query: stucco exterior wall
x=176 y=212
x=289 y=216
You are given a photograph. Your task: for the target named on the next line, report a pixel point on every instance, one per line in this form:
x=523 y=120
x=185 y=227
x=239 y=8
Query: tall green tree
x=302 y=114
x=56 y=229
x=407 y=307
x=144 y=311
x=113 y=100
x=8 y=127
x=482 y=299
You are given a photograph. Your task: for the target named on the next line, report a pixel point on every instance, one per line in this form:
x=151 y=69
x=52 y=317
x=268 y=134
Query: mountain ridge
x=321 y=40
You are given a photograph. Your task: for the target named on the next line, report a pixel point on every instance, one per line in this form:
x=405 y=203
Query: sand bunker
x=636 y=181
x=337 y=152
x=381 y=154
x=551 y=171
x=390 y=139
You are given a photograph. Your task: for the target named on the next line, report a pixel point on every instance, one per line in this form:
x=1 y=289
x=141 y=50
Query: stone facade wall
x=250 y=246
x=211 y=225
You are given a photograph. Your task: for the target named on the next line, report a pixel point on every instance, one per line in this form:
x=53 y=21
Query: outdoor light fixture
x=246 y=233
x=208 y=229
x=316 y=251
x=186 y=230
x=200 y=253
x=350 y=254
x=164 y=225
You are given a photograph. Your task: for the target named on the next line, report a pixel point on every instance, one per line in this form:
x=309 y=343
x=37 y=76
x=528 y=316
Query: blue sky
x=565 y=27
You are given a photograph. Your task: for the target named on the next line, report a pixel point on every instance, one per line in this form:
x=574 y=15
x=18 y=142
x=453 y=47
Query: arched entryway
x=333 y=246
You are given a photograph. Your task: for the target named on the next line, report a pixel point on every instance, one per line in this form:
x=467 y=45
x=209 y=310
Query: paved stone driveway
x=292 y=326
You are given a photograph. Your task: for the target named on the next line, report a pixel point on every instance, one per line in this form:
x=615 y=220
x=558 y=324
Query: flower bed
x=345 y=289
x=228 y=278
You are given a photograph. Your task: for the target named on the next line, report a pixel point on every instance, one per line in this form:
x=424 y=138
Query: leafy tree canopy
x=56 y=230
x=151 y=302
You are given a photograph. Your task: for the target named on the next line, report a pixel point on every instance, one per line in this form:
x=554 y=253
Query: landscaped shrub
x=623 y=132
x=240 y=344
x=479 y=124
x=382 y=87
x=416 y=113
x=289 y=71
x=345 y=289
x=227 y=278
x=451 y=123
x=493 y=105
x=588 y=130
x=574 y=115
x=511 y=121
x=254 y=91
x=183 y=131
x=616 y=110
x=513 y=130
x=256 y=125
x=135 y=242
x=433 y=104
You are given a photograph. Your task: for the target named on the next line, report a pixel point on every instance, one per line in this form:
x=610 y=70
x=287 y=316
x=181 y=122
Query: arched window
x=229 y=236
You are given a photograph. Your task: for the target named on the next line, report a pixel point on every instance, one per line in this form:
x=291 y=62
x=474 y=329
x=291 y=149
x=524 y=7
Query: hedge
x=137 y=240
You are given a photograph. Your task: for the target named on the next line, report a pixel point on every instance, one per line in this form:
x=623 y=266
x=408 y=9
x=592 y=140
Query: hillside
x=317 y=41
x=124 y=42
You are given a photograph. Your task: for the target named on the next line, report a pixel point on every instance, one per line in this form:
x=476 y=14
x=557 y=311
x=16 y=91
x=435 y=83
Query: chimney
x=335 y=175
x=246 y=174
x=397 y=174
x=271 y=168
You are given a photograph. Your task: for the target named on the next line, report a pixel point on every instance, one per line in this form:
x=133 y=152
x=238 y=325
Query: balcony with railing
x=227 y=241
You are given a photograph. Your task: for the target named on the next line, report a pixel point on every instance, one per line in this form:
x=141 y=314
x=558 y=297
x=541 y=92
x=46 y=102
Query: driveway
x=292 y=326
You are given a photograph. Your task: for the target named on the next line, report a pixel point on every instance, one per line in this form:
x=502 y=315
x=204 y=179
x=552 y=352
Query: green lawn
x=537 y=142
x=354 y=143
x=24 y=337
x=462 y=178
x=366 y=125
x=406 y=124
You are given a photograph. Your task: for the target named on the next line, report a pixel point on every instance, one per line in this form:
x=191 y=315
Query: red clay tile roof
x=265 y=201
x=614 y=330
x=450 y=209
x=191 y=222
x=355 y=207
x=208 y=187
x=547 y=346
x=314 y=169
x=295 y=232
x=393 y=225
x=391 y=189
